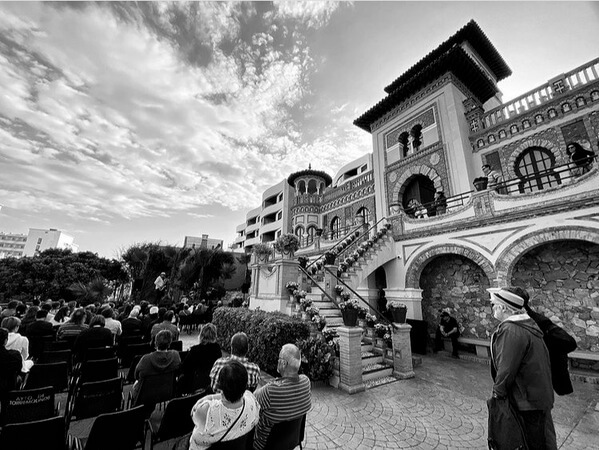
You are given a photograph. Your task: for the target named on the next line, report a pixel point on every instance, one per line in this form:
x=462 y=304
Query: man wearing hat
x=448 y=327
x=520 y=367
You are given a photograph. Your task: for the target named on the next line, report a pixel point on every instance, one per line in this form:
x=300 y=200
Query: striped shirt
x=252 y=368
x=286 y=398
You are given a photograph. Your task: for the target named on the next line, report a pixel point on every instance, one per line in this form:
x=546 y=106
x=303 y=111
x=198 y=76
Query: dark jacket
x=197 y=366
x=40 y=328
x=520 y=364
x=559 y=343
x=92 y=338
x=132 y=326
x=10 y=366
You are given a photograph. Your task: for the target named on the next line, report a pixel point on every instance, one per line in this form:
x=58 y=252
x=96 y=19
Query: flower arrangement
x=305 y=302
x=388 y=226
x=380 y=329
x=348 y=304
x=317 y=358
x=329 y=257
x=329 y=334
x=312 y=311
x=291 y=286
x=319 y=321
x=261 y=250
x=345 y=296
x=286 y=243
x=303 y=261
x=313 y=270
x=370 y=320
x=338 y=289
x=388 y=339
x=362 y=311
x=396 y=305
x=343 y=267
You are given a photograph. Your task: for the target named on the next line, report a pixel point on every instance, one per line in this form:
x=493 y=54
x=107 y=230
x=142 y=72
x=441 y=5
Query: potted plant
x=329 y=257
x=362 y=311
x=370 y=320
x=262 y=251
x=338 y=289
x=312 y=311
x=349 y=311
x=480 y=183
x=303 y=261
x=398 y=311
x=286 y=244
x=304 y=302
x=380 y=329
x=291 y=286
x=319 y=321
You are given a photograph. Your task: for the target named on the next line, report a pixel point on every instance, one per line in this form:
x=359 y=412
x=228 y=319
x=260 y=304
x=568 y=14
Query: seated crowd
x=233 y=405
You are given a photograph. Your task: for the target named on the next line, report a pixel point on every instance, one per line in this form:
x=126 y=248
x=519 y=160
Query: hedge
x=267 y=333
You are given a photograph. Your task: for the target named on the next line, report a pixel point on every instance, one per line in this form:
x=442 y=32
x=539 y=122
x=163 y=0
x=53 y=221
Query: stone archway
x=510 y=256
x=415 y=268
x=401 y=183
x=553 y=147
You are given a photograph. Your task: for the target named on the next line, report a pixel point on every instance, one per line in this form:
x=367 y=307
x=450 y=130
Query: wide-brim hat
x=506 y=298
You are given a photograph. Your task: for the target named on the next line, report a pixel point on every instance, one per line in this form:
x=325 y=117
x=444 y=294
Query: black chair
x=96 y=397
x=38 y=344
x=56 y=346
x=176 y=421
x=131 y=373
x=57 y=356
x=240 y=443
x=44 y=375
x=96 y=353
x=154 y=389
x=122 y=347
x=123 y=430
x=287 y=435
x=98 y=370
x=48 y=434
x=176 y=345
x=28 y=405
x=132 y=350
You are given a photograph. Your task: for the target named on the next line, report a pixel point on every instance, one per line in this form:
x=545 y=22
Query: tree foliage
x=51 y=274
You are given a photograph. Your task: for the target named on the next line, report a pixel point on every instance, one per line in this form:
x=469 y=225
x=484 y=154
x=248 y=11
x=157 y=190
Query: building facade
x=432 y=132
x=12 y=245
x=39 y=240
x=202 y=242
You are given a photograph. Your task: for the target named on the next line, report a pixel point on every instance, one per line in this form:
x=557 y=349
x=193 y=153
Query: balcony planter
x=480 y=183
x=398 y=311
x=329 y=258
x=287 y=245
x=319 y=232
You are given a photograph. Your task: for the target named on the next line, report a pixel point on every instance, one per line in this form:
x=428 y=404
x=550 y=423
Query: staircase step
x=379 y=381
x=374 y=371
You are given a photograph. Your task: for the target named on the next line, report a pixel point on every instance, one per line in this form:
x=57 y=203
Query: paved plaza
x=443 y=407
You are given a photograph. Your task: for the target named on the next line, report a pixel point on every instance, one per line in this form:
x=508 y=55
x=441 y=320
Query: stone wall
x=457 y=283
x=564 y=277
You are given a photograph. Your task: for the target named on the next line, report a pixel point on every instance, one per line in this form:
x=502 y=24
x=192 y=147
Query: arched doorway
x=335 y=228
x=458 y=283
x=421 y=188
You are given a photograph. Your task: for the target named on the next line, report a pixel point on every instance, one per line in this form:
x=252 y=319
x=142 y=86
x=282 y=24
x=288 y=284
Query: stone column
x=330 y=281
x=402 y=352
x=350 y=359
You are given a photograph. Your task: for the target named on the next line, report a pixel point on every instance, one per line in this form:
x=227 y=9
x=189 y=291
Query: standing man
x=521 y=370
x=494 y=180
x=285 y=398
x=448 y=327
x=239 y=350
x=160 y=286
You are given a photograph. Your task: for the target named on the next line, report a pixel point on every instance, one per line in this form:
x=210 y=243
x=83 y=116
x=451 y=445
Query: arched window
x=534 y=166
x=595 y=96
x=365 y=214
x=525 y=124
x=514 y=129
x=420 y=188
x=404 y=147
x=580 y=101
x=312 y=187
x=335 y=228
x=538 y=118
x=502 y=134
x=566 y=107
x=299 y=231
x=491 y=138
x=310 y=233
x=480 y=143
x=301 y=187
x=416 y=133
x=552 y=113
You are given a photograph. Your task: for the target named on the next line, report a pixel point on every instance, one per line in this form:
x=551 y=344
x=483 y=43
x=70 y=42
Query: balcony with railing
x=538 y=97
x=542 y=192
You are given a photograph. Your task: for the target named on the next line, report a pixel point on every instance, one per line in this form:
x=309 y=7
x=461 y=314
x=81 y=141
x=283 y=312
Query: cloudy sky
x=124 y=122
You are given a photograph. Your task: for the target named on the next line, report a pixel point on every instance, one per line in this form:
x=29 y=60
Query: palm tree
x=205 y=266
x=94 y=291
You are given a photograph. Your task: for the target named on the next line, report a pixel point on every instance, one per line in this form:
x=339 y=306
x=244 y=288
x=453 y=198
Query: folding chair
x=176 y=420
x=99 y=353
x=57 y=356
x=176 y=345
x=38 y=344
x=240 y=443
x=123 y=430
x=47 y=434
x=28 y=406
x=43 y=375
x=94 y=398
x=56 y=346
x=154 y=389
x=98 y=370
x=123 y=348
x=286 y=435
x=132 y=350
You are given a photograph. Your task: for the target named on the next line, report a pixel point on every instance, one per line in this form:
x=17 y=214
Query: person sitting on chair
x=10 y=365
x=16 y=341
x=74 y=326
x=159 y=361
x=225 y=416
x=95 y=336
x=239 y=350
x=285 y=398
x=198 y=363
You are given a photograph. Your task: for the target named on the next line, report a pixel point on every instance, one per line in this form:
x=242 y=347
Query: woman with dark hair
x=28 y=319
x=61 y=316
x=582 y=159
x=95 y=336
x=198 y=363
x=225 y=416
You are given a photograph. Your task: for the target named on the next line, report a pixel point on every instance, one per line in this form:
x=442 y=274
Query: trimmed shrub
x=267 y=333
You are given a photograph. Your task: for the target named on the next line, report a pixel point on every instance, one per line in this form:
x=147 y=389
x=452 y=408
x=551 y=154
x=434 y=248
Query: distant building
x=202 y=242
x=12 y=245
x=39 y=240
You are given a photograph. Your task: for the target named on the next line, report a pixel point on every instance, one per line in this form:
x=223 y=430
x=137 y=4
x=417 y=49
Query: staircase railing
x=360 y=238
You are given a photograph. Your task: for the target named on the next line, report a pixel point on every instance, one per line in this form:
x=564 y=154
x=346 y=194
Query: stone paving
x=443 y=407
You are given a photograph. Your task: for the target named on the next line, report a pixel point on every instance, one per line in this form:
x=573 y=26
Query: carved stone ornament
x=392 y=177
x=435 y=158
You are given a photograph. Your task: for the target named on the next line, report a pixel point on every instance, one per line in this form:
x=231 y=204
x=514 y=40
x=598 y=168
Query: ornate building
x=438 y=124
